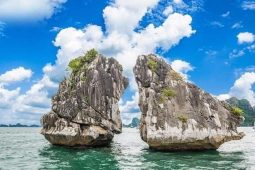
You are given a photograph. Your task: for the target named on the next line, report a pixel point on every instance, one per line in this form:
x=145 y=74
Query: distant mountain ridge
x=249 y=111
x=18 y=125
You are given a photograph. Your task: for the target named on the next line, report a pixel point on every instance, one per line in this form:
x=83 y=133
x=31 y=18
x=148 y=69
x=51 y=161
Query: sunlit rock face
x=177 y=115
x=85 y=110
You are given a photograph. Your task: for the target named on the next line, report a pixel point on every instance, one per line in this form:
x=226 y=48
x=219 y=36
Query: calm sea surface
x=25 y=148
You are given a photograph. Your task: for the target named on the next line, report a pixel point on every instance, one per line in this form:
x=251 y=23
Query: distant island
x=134 y=124
x=248 y=110
x=18 y=125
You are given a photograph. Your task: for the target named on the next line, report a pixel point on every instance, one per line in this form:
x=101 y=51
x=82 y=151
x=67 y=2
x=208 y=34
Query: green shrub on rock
x=161 y=99
x=76 y=64
x=168 y=92
x=237 y=111
x=153 y=65
x=90 y=56
x=176 y=76
x=183 y=119
x=165 y=94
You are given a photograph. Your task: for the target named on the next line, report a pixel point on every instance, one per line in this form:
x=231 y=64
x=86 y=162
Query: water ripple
x=25 y=148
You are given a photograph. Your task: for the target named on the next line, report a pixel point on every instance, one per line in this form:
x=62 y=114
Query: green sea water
x=25 y=148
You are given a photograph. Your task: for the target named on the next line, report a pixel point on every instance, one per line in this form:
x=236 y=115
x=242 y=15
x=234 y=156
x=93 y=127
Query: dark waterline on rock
x=25 y=148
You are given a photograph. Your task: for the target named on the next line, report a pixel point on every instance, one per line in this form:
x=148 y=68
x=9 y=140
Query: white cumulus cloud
x=15 y=75
x=130 y=109
x=8 y=97
x=120 y=12
x=182 y=67
x=28 y=9
x=130 y=104
x=245 y=37
x=27 y=108
x=16 y=106
x=168 y=10
x=242 y=88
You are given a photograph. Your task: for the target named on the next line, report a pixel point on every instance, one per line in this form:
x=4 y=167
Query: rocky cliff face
x=177 y=115
x=85 y=110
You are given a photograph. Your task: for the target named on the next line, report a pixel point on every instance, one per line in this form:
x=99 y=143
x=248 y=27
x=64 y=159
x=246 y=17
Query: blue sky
x=211 y=43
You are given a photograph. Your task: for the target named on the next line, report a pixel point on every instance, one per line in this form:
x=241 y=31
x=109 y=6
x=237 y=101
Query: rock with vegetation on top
x=177 y=115
x=85 y=110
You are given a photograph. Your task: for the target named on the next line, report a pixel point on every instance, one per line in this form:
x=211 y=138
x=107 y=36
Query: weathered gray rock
x=177 y=115
x=85 y=110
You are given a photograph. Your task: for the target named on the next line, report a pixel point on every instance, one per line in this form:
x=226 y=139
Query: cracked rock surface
x=177 y=115
x=85 y=110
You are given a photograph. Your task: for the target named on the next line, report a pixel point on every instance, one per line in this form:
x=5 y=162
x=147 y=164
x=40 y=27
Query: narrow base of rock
x=58 y=131
x=199 y=145
x=80 y=141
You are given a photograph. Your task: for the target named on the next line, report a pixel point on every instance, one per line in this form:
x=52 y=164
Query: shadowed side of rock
x=177 y=115
x=85 y=110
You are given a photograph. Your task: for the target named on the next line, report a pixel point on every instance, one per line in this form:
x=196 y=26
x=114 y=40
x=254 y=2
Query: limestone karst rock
x=177 y=115
x=85 y=109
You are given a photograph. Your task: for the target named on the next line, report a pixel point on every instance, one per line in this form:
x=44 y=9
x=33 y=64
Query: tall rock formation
x=177 y=115
x=85 y=110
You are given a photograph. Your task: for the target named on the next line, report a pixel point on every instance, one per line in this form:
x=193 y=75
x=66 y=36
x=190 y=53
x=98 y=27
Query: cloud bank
x=120 y=40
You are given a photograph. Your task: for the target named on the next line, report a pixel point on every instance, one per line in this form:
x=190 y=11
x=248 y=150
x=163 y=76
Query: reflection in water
x=192 y=160
x=64 y=158
x=127 y=151
x=27 y=149
x=131 y=151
